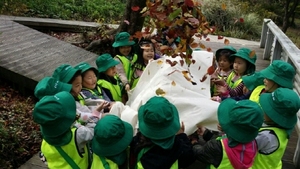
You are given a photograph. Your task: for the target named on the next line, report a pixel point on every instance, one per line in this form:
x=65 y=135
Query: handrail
x=278 y=46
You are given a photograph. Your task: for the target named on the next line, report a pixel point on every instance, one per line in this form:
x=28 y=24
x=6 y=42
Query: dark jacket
x=159 y=158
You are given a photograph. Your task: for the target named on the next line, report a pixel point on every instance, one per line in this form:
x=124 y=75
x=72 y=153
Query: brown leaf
x=223 y=6
x=211 y=70
x=194 y=45
x=226 y=42
x=203 y=78
x=252 y=54
x=160 y=92
x=209 y=49
x=173 y=83
x=202 y=46
x=181 y=62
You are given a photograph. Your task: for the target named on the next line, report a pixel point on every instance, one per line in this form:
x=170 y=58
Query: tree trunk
x=134 y=18
x=288 y=13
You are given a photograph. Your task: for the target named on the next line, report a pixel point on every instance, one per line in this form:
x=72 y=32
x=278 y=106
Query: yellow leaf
x=160 y=92
x=160 y=62
x=252 y=54
x=173 y=83
x=223 y=6
x=202 y=46
x=144 y=10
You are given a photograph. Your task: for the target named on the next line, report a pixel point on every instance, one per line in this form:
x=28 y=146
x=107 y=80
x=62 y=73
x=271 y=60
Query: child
x=67 y=74
x=107 y=78
x=50 y=86
x=243 y=64
x=280 y=108
x=224 y=65
x=110 y=143
x=63 y=146
x=145 y=55
x=278 y=74
x=157 y=145
x=125 y=55
x=237 y=149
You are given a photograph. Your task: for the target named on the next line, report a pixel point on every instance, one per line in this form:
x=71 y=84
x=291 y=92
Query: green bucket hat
x=159 y=121
x=55 y=114
x=244 y=53
x=281 y=106
x=122 y=39
x=253 y=80
x=281 y=73
x=240 y=120
x=84 y=66
x=105 y=61
x=231 y=50
x=50 y=86
x=112 y=136
x=64 y=73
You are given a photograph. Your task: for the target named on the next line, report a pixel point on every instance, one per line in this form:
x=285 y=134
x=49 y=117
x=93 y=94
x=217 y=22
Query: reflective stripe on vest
x=127 y=64
x=256 y=93
x=97 y=93
x=81 y=99
x=115 y=90
x=98 y=164
x=273 y=160
x=232 y=84
x=134 y=80
x=55 y=160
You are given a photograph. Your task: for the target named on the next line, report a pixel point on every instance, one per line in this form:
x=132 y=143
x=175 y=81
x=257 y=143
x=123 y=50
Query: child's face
x=148 y=52
x=224 y=63
x=76 y=86
x=89 y=80
x=240 y=66
x=270 y=85
x=112 y=71
x=125 y=50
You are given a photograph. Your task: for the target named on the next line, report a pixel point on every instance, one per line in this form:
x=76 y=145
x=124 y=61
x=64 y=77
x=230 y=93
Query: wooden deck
x=27 y=55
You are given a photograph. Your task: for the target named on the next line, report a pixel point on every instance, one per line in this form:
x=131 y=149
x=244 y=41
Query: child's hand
x=221 y=89
x=102 y=105
x=245 y=90
x=216 y=98
x=181 y=130
x=201 y=130
x=127 y=87
x=219 y=82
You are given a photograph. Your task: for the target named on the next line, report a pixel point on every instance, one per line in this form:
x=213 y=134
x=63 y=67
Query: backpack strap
x=67 y=157
x=104 y=163
x=142 y=152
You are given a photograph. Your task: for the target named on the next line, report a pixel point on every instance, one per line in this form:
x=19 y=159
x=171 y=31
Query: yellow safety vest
x=232 y=84
x=55 y=160
x=97 y=93
x=134 y=80
x=143 y=151
x=103 y=163
x=81 y=99
x=256 y=93
x=127 y=65
x=273 y=160
x=115 y=90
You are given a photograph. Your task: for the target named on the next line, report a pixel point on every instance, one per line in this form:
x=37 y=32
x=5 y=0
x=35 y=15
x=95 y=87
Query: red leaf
x=220 y=37
x=189 y=3
x=135 y=8
x=209 y=49
x=211 y=70
x=242 y=20
x=207 y=39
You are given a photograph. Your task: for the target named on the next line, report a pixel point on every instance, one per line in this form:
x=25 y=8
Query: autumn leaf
x=144 y=10
x=173 y=83
x=174 y=14
x=226 y=42
x=193 y=61
x=211 y=70
x=208 y=49
x=203 y=78
x=207 y=39
x=160 y=62
x=160 y=92
x=186 y=75
x=220 y=37
x=202 y=46
x=242 y=20
x=189 y=3
x=223 y=6
x=252 y=54
x=135 y=8
x=194 y=45
x=181 y=62
x=138 y=35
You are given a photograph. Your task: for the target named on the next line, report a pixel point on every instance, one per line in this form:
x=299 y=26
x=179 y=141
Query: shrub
x=20 y=137
x=232 y=18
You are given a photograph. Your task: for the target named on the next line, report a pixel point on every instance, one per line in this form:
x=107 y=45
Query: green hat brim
x=254 y=80
x=283 y=81
x=274 y=114
x=123 y=43
x=70 y=74
x=155 y=132
x=107 y=66
x=236 y=132
x=118 y=147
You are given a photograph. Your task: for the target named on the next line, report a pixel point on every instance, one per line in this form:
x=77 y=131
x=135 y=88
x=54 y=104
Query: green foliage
x=233 y=19
x=20 y=137
x=88 y=10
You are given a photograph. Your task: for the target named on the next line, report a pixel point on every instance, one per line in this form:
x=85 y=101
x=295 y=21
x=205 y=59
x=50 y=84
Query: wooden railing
x=278 y=46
